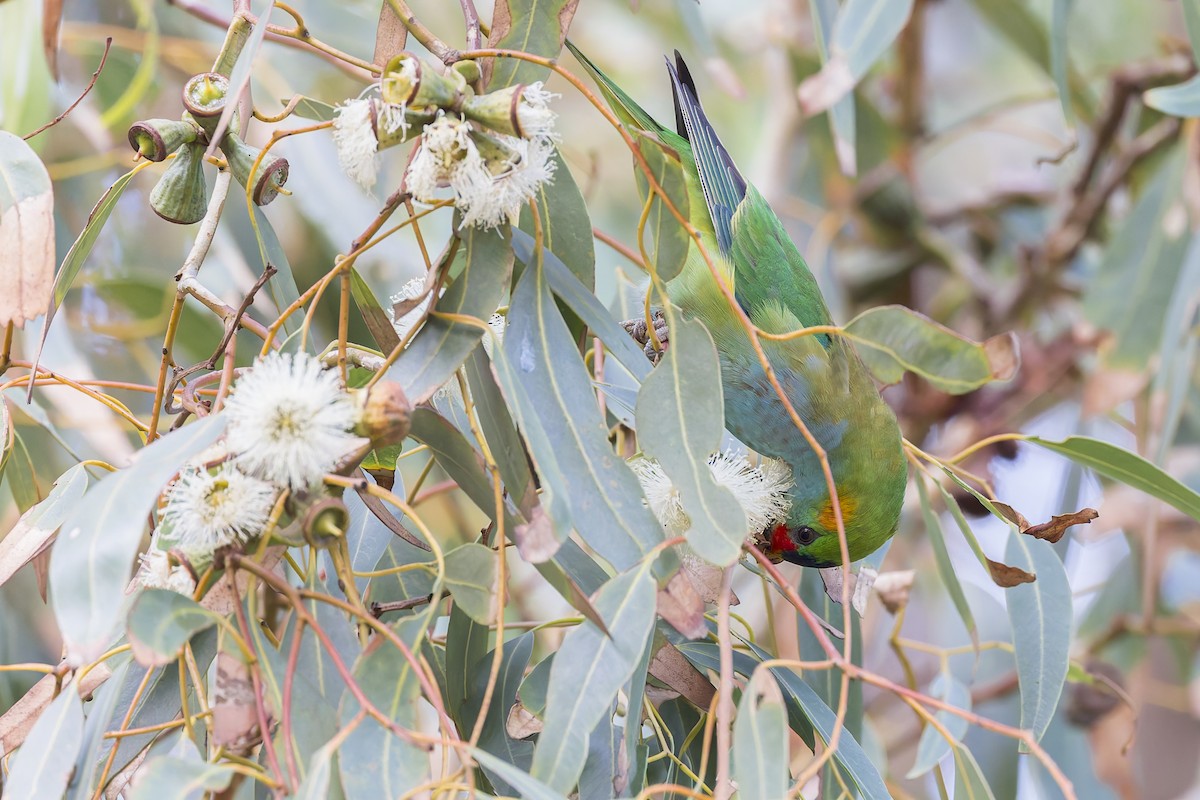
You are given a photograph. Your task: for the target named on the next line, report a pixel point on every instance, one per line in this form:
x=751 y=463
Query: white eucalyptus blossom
x=356 y=142
x=207 y=510
x=155 y=572
x=533 y=112
x=761 y=491
x=290 y=420
x=488 y=191
x=511 y=185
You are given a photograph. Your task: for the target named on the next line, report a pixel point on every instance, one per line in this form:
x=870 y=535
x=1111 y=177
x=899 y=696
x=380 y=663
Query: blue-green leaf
x=680 y=421
x=933 y=746
x=760 y=741
x=91 y=559
x=945 y=568
x=43 y=764
x=1040 y=613
x=161 y=622
x=588 y=658
x=1179 y=100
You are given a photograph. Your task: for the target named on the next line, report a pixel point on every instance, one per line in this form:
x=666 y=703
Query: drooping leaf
x=1059 y=55
x=1136 y=277
x=665 y=240
x=1179 y=100
x=680 y=422
x=1053 y=529
x=373 y=314
x=495 y=738
x=531 y=26
x=862 y=33
x=933 y=745
x=373 y=761
x=466 y=644
x=760 y=742
x=842 y=116
x=36 y=528
x=43 y=765
x=91 y=558
x=441 y=346
x=282 y=286
x=311 y=108
x=969 y=781
x=548 y=388
x=471 y=579
x=893 y=340
x=1128 y=468
x=1041 y=623
x=566 y=226
x=161 y=622
x=945 y=568
x=527 y=786
x=167 y=777
x=601 y=663
x=26 y=232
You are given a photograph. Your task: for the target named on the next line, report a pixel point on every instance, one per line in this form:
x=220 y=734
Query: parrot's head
x=809 y=537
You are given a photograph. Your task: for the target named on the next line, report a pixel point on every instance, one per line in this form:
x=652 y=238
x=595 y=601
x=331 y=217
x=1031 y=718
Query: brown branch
x=78 y=100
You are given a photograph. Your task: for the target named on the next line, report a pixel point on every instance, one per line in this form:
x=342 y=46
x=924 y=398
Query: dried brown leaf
x=520 y=723
x=1006 y=576
x=20 y=717
x=535 y=539
x=26 y=233
x=390 y=35
x=677 y=673
x=52 y=11
x=1052 y=530
x=680 y=605
x=1003 y=354
x=235 y=718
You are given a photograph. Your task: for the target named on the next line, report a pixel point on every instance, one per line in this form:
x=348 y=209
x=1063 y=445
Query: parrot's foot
x=640 y=331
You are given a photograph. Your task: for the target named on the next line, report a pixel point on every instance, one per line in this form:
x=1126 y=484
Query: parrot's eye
x=806 y=535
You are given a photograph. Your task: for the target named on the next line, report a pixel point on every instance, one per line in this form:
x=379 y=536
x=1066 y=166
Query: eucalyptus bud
x=326 y=521
x=386 y=414
x=271 y=174
x=205 y=96
x=409 y=82
x=181 y=194
x=468 y=69
x=155 y=139
x=395 y=124
x=516 y=111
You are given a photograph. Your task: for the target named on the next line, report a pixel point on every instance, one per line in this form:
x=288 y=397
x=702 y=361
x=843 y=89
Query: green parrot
x=822 y=375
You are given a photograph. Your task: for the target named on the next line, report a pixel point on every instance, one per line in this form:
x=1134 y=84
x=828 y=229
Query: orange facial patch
x=828 y=518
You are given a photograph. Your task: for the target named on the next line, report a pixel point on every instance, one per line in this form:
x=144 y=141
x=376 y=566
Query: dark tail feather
x=724 y=187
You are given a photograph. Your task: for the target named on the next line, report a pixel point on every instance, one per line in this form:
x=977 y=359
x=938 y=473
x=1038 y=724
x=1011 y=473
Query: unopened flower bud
x=408 y=82
x=181 y=194
x=264 y=183
x=325 y=521
x=516 y=111
x=386 y=414
x=155 y=139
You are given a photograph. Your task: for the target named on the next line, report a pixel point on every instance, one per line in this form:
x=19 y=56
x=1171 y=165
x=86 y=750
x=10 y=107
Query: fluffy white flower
x=156 y=572
x=533 y=112
x=208 y=510
x=512 y=183
x=356 y=143
x=761 y=491
x=489 y=191
x=289 y=420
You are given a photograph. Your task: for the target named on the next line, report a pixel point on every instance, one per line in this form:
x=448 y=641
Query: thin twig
x=78 y=100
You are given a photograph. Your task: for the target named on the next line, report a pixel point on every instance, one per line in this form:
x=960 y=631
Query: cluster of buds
x=181 y=193
x=492 y=151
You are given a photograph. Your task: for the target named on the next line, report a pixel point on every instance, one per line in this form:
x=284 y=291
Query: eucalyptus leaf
x=666 y=241
x=36 y=528
x=588 y=658
x=893 y=340
x=441 y=346
x=1041 y=617
x=1179 y=100
x=538 y=27
x=945 y=567
x=680 y=416
x=91 y=558
x=161 y=622
x=760 y=741
x=171 y=778
x=471 y=579
x=933 y=745
x=26 y=232
x=43 y=765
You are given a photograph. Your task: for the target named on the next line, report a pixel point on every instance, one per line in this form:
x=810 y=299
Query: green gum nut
x=497 y=110
x=155 y=139
x=406 y=80
x=394 y=124
x=181 y=194
x=497 y=156
x=205 y=96
x=469 y=70
x=325 y=521
x=271 y=174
